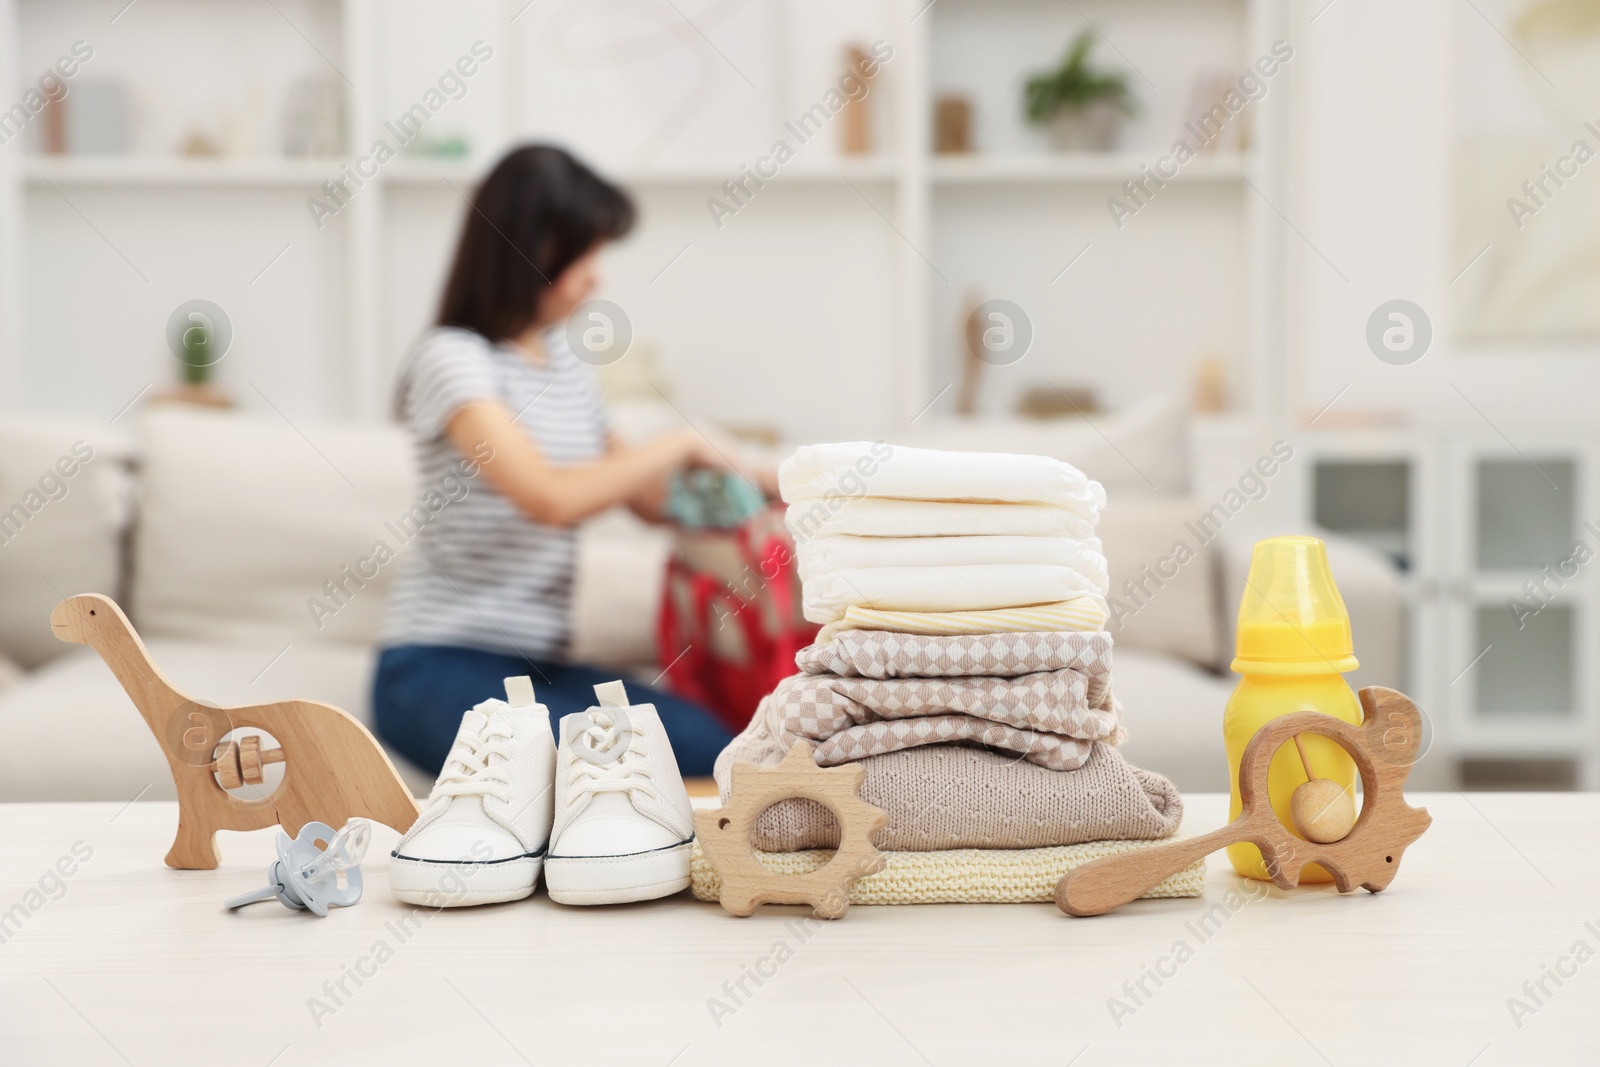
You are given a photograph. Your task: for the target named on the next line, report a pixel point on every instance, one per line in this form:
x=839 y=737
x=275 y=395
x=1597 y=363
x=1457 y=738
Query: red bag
x=730 y=621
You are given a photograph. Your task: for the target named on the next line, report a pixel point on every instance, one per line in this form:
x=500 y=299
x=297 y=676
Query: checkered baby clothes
x=886 y=654
x=1041 y=696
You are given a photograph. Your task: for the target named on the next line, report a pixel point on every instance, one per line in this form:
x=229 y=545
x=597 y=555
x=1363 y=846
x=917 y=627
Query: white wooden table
x=126 y=961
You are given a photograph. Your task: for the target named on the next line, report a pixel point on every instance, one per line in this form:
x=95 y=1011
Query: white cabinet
x=1520 y=597
x=1498 y=550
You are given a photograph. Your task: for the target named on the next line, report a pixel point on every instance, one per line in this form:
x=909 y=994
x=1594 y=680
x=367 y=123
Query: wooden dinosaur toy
x=334 y=769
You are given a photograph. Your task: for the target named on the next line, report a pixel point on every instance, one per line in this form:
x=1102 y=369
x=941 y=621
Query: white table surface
x=138 y=964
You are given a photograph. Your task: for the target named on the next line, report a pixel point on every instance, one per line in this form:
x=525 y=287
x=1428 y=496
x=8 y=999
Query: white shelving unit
x=1095 y=167
x=1010 y=192
x=144 y=185
x=10 y=226
x=114 y=172
x=1209 y=257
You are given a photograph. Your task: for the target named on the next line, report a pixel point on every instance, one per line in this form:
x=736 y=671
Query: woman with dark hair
x=495 y=393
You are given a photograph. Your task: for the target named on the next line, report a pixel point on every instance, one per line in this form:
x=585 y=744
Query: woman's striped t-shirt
x=478 y=573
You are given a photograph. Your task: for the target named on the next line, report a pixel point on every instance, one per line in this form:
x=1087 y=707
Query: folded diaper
x=869 y=516
x=822 y=554
x=960 y=796
x=904 y=473
x=1082 y=613
x=825 y=597
x=961 y=876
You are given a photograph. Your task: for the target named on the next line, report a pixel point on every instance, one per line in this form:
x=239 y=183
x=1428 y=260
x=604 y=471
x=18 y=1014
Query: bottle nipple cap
x=1292 y=619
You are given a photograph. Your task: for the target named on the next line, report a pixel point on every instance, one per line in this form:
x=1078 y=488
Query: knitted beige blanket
x=961 y=876
x=1043 y=697
x=949 y=796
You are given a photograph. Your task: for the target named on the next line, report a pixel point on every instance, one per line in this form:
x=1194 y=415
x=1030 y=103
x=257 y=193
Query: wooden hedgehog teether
x=724 y=835
x=1384 y=747
x=333 y=772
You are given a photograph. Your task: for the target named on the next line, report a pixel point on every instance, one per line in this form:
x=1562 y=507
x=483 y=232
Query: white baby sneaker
x=624 y=828
x=483 y=834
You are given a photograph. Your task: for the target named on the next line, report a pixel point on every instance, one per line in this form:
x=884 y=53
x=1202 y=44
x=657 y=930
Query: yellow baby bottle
x=1293 y=649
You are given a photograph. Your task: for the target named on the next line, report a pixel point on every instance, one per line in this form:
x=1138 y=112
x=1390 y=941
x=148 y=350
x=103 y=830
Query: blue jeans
x=421 y=691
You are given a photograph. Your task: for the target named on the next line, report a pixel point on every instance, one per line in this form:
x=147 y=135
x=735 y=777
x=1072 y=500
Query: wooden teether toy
x=1384 y=747
x=724 y=835
x=333 y=768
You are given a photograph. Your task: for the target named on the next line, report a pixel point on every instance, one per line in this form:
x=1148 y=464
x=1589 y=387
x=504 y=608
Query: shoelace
x=467 y=771
x=628 y=772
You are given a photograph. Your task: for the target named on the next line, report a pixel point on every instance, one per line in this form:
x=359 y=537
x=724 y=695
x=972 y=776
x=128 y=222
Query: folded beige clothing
x=960 y=796
x=1044 y=718
x=919 y=690
x=868 y=516
x=850 y=468
x=828 y=595
x=1080 y=613
x=960 y=876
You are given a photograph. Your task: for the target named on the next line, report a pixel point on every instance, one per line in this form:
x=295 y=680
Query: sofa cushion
x=1173 y=714
x=72 y=713
x=1164 y=577
x=244 y=520
x=65 y=492
x=617 y=588
x=1139 y=450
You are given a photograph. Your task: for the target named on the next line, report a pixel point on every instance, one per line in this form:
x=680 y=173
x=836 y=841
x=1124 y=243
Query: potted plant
x=196 y=360
x=1083 y=108
x=198 y=333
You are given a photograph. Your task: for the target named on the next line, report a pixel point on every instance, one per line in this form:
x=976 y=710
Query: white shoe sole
x=618 y=879
x=459 y=885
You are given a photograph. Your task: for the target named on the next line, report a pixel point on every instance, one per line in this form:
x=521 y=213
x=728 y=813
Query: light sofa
x=221 y=532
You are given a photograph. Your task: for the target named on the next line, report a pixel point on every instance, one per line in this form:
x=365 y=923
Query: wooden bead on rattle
x=1321 y=809
x=241 y=763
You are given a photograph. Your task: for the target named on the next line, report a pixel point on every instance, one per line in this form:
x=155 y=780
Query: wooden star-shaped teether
x=746 y=883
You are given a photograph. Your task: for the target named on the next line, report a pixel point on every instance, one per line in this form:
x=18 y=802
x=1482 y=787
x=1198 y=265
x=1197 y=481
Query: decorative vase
x=1091 y=129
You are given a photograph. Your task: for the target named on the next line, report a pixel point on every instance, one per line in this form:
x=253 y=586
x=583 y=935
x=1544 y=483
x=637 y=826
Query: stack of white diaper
x=963 y=666
x=882 y=530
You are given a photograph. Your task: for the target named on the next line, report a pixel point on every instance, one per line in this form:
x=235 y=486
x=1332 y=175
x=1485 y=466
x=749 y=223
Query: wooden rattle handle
x=1112 y=881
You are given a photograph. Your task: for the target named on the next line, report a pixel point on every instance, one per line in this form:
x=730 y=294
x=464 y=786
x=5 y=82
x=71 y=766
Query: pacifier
x=307 y=876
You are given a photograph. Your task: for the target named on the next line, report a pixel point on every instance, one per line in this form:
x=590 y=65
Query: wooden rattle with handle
x=1384 y=747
